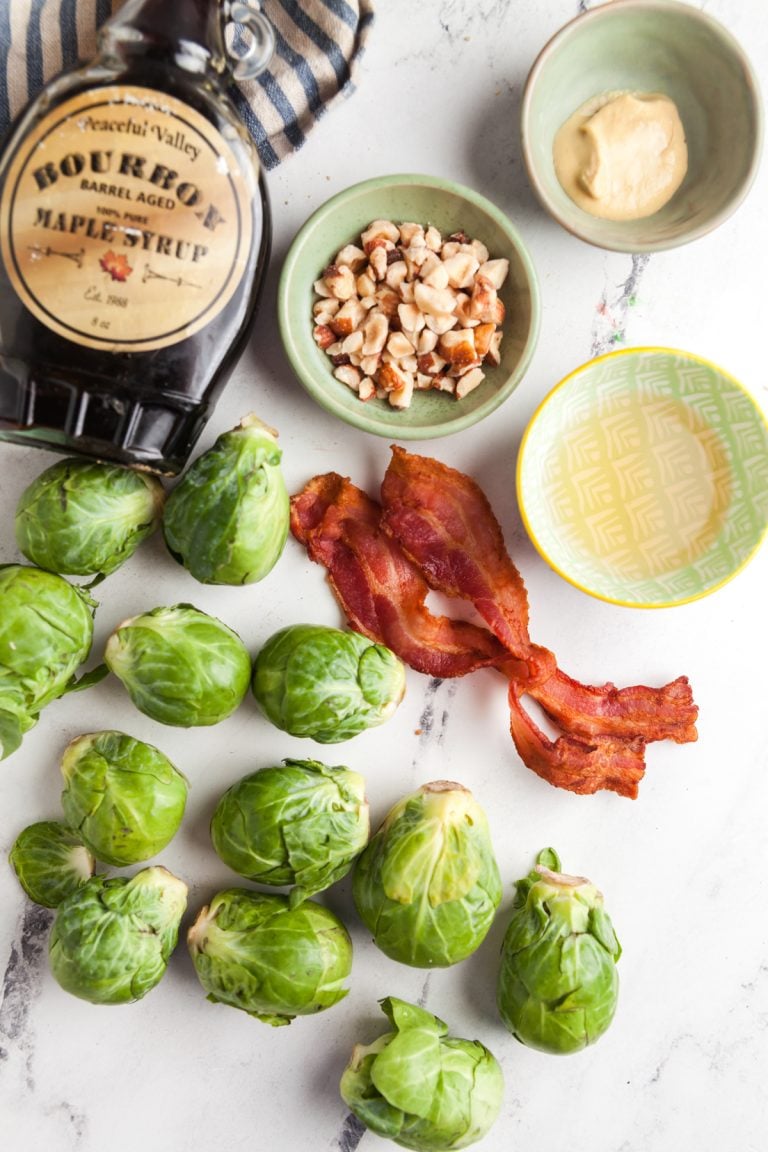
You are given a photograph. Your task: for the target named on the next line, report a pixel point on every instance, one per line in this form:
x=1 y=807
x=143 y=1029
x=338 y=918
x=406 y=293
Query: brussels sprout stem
x=572 y=898
x=253 y=421
x=448 y=803
x=561 y=879
x=196 y=935
x=443 y=786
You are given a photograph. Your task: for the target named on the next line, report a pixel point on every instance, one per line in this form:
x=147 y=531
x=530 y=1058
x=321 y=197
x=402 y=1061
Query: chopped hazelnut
x=349 y=376
x=367 y=388
x=411 y=318
x=380 y=230
x=458 y=347
x=323 y=336
x=468 y=382
x=495 y=270
x=348 y=317
x=433 y=238
x=434 y=301
x=404 y=309
x=399 y=345
x=375 y=331
x=351 y=255
x=340 y=280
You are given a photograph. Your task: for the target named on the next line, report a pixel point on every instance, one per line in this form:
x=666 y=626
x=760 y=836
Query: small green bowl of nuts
x=408 y=306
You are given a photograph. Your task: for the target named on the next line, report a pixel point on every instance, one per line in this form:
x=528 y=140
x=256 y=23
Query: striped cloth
x=319 y=44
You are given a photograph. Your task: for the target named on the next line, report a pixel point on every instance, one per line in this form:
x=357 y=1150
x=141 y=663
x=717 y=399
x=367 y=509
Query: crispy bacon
x=444 y=523
x=585 y=766
x=380 y=591
x=666 y=713
x=438 y=530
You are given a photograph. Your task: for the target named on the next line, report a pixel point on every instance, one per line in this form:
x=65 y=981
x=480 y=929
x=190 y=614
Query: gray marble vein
x=351 y=1134
x=22 y=982
x=456 y=18
x=610 y=322
x=75 y=1120
x=21 y=985
x=422 y=1000
x=433 y=720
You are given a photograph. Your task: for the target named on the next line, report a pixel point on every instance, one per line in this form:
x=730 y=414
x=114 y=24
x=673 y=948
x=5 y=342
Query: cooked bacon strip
x=584 y=766
x=666 y=713
x=447 y=528
x=444 y=523
x=380 y=591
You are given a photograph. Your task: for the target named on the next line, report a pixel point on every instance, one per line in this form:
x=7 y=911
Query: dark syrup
x=143 y=408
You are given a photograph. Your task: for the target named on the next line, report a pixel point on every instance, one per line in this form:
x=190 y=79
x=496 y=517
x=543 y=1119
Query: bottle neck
x=188 y=32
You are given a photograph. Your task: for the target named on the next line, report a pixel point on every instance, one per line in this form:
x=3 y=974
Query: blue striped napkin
x=319 y=43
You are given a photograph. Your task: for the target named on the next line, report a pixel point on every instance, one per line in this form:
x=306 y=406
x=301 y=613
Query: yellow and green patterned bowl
x=642 y=478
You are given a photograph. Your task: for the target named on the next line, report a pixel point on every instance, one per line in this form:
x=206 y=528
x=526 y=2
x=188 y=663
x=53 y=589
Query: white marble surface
x=683 y=868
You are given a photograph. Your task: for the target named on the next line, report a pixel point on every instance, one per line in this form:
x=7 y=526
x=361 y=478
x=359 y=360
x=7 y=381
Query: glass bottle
x=134 y=235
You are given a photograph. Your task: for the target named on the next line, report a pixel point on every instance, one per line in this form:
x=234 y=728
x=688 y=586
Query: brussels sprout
x=256 y=953
x=227 y=519
x=300 y=824
x=51 y=862
x=428 y=886
x=180 y=666
x=313 y=680
x=46 y=628
x=124 y=797
x=558 y=985
x=112 y=939
x=84 y=518
x=420 y=1087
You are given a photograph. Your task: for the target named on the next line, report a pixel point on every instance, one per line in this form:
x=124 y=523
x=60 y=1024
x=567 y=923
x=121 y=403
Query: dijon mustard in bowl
x=643 y=50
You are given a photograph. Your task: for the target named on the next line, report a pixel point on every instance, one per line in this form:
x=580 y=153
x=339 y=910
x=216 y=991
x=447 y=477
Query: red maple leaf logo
x=117 y=266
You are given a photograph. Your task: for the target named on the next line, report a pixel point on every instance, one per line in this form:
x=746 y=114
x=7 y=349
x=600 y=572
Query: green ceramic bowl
x=651 y=46
x=642 y=478
x=422 y=199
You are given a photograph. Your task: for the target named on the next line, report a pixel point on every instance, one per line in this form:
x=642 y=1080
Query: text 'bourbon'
x=134 y=234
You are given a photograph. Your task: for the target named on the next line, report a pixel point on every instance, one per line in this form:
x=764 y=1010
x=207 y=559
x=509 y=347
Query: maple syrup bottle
x=134 y=235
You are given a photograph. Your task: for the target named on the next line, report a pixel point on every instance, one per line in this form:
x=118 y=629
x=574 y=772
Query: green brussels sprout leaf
x=87 y=680
x=46 y=628
x=227 y=519
x=547 y=858
x=420 y=1087
x=180 y=666
x=452 y=872
x=51 y=862
x=407 y=1071
x=11 y=733
x=112 y=938
x=85 y=518
x=303 y=823
x=256 y=953
x=123 y=796
x=558 y=985
x=403 y=1015
x=599 y=925
x=427 y=886
x=319 y=682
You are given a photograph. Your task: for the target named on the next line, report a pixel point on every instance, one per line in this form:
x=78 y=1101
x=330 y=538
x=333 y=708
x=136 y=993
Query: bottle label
x=125 y=220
